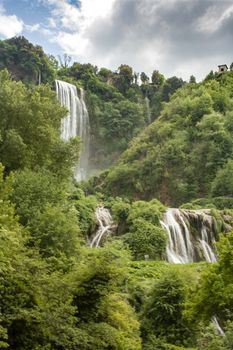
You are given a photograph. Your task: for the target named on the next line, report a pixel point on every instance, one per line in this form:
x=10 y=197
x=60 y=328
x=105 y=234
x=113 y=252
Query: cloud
x=166 y=35
x=72 y=23
x=9 y=25
x=181 y=37
x=215 y=17
x=52 y=23
x=72 y=43
x=32 y=28
x=63 y=14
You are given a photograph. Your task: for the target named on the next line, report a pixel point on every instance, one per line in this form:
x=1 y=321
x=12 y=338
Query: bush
x=146 y=239
x=163 y=314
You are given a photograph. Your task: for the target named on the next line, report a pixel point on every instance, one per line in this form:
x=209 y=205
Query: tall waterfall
x=190 y=235
x=76 y=123
x=105 y=222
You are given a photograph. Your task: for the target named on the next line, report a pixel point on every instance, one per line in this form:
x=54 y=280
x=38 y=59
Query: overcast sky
x=177 y=37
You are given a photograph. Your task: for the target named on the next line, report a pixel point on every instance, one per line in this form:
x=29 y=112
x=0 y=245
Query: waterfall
x=190 y=235
x=76 y=123
x=148 y=111
x=207 y=251
x=217 y=326
x=179 y=248
x=104 y=219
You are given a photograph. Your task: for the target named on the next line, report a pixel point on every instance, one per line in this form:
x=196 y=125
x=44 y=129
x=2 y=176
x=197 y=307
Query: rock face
x=191 y=235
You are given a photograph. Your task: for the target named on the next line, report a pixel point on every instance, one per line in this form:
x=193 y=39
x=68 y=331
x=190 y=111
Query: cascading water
x=76 y=123
x=183 y=246
x=207 y=251
x=217 y=326
x=105 y=222
x=179 y=248
x=148 y=111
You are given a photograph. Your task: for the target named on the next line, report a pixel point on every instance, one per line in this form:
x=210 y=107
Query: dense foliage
x=119 y=107
x=30 y=129
x=186 y=153
x=57 y=293
x=139 y=227
x=25 y=61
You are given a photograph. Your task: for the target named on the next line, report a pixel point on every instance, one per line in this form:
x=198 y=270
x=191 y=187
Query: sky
x=176 y=37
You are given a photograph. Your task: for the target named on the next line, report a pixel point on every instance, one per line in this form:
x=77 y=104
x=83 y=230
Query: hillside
x=186 y=153
x=119 y=107
x=104 y=264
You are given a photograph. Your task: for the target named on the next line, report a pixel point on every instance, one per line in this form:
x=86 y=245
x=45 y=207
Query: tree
x=30 y=129
x=163 y=314
x=125 y=78
x=192 y=79
x=36 y=312
x=85 y=72
x=8 y=220
x=103 y=312
x=146 y=239
x=64 y=60
x=140 y=225
x=105 y=74
x=25 y=61
x=122 y=121
x=212 y=296
x=144 y=78
x=136 y=76
x=52 y=222
x=157 y=79
x=56 y=233
x=223 y=182
x=210 y=76
x=170 y=86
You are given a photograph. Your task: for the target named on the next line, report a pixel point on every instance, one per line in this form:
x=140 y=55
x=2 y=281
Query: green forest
x=155 y=143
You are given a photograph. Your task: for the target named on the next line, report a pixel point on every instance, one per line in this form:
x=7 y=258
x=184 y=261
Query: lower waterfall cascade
x=217 y=326
x=105 y=223
x=191 y=235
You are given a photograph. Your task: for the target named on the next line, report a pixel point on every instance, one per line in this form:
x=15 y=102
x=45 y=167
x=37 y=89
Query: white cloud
x=9 y=25
x=32 y=28
x=74 y=23
x=52 y=23
x=64 y=14
x=214 y=18
x=72 y=43
x=146 y=34
x=40 y=28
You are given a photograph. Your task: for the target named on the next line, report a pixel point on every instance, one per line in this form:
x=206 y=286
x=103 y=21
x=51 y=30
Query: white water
x=207 y=251
x=148 y=111
x=179 y=246
x=218 y=328
x=182 y=246
x=105 y=222
x=76 y=123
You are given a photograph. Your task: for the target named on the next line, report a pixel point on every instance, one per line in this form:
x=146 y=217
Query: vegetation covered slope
x=186 y=153
x=56 y=293
x=119 y=107
x=30 y=129
x=25 y=61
